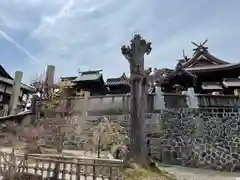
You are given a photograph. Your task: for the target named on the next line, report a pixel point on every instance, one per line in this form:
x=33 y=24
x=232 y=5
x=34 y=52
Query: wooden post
x=134 y=53
x=15 y=92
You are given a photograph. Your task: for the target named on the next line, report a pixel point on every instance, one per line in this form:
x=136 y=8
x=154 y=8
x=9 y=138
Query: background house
x=6 y=84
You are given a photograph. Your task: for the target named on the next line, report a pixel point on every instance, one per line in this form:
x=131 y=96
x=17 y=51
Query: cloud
x=88 y=34
x=18 y=46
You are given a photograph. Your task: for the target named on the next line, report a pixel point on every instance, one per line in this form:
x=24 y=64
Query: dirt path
x=185 y=173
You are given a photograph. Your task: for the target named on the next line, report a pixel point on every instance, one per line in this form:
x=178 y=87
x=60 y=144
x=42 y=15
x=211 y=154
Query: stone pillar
x=50 y=77
x=15 y=92
x=192 y=100
x=134 y=53
x=159 y=102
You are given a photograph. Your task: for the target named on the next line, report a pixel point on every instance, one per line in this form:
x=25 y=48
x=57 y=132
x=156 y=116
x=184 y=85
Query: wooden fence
x=78 y=168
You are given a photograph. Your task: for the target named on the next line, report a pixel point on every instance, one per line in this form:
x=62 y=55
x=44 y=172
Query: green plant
x=105 y=134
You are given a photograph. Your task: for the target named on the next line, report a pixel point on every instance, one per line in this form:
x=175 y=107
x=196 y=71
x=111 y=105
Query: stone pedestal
x=159 y=102
x=192 y=100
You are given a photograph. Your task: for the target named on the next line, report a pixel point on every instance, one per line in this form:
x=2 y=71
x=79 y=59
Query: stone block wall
x=191 y=139
x=208 y=138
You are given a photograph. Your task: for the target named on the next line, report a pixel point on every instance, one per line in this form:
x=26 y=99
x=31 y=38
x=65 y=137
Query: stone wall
x=205 y=138
x=192 y=139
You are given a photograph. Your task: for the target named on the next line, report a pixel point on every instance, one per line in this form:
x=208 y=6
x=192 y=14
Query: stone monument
x=134 y=53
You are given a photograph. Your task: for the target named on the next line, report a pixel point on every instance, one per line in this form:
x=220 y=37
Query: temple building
x=120 y=85
x=205 y=72
x=91 y=81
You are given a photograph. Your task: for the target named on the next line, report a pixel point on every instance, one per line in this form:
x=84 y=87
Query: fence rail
x=68 y=167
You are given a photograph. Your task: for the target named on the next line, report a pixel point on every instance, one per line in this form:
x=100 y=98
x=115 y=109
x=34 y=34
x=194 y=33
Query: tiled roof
x=213 y=68
x=18 y=117
x=23 y=86
x=88 y=76
x=202 y=53
x=4 y=73
x=68 y=78
x=123 y=80
x=179 y=71
x=117 y=81
x=91 y=72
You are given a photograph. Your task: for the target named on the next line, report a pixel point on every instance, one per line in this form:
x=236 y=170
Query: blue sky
x=88 y=34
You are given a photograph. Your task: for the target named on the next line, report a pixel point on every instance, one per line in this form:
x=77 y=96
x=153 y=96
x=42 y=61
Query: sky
x=83 y=35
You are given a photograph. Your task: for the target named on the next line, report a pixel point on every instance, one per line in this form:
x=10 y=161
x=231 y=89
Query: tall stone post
x=15 y=92
x=50 y=75
x=134 y=53
x=49 y=81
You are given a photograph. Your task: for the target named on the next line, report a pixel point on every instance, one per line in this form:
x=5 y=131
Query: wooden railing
x=173 y=100
x=70 y=167
x=208 y=100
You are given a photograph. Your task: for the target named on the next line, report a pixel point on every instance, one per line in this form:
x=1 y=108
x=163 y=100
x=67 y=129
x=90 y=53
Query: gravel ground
x=186 y=173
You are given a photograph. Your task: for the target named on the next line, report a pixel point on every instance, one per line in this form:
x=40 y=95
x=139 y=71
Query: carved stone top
x=135 y=52
x=140 y=73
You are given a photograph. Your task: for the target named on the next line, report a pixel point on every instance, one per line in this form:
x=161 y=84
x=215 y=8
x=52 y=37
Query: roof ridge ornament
x=184 y=58
x=123 y=75
x=200 y=45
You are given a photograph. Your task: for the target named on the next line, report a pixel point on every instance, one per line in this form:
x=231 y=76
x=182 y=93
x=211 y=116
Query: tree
x=106 y=135
x=53 y=102
x=59 y=128
x=134 y=53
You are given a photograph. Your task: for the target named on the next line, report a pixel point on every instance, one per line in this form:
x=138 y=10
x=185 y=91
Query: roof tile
x=88 y=77
x=117 y=81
